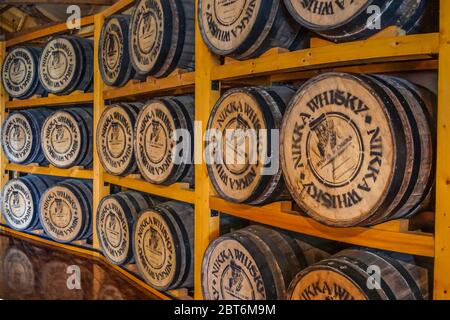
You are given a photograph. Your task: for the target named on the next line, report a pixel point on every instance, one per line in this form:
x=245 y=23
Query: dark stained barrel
x=115 y=138
x=21 y=136
x=66 y=138
x=164 y=245
x=66 y=65
x=162 y=34
x=255 y=263
x=358 y=150
x=362 y=274
x=116 y=216
x=20 y=73
x=246 y=29
x=342 y=21
x=20 y=201
x=66 y=211
x=164 y=140
x=242 y=122
x=114 y=58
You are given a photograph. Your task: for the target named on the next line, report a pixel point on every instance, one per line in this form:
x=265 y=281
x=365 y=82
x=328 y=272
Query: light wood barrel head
x=155 y=249
x=19 y=72
x=19 y=272
x=112 y=51
x=59 y=65
x=322 y=15
x=17 y=137
x=154 y=142
x=321 y=283
x=18 y=206
x=338 y=149
x=226 y=25
x=233 y=142
x=115 y=136
x=61 y=214
x=61 y=139
x=148 y=33
x=229 y=272
x=113 y=230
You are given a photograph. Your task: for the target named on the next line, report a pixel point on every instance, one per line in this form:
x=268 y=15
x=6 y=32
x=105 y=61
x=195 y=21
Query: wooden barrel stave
x=345 y=276
x=407 y=140
x=66 y=211
x=266 y=107
x=262 y=261
x=351 y=23
x=74 y=126
x=174 y=35
x=26 y=59
x=163 y=245
x=155 y=124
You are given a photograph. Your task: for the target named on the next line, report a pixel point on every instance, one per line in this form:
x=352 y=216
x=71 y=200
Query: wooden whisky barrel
x=163 y=152
x=162 y=36
x=358 y=149
x=246 y=29
x=20 y=201
x=342 y=21
x=21 y=136
x=66 y=65
x=361 y=274
x=114 y=58
x=66 y=137
x=255 y=263
x=19 y=272
x=116 y=216
x=66 y=211
x=164 y=245
x=241 y=123
x=20 y=74
x=115 y=138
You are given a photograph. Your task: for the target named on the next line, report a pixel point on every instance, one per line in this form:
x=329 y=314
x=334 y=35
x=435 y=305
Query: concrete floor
x=32 y=271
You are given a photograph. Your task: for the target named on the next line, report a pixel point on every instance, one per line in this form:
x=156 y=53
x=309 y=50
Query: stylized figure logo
x=115 y=131
x=236 y=279
x=326 y=135
x=59 y=207
x=15 y=199
x=16 y=132
x=156 y=128
x=154 y=241
x=59 y=133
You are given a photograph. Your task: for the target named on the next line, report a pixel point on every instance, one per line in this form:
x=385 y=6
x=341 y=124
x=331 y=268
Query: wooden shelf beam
x=75 y=172
x=52 y=100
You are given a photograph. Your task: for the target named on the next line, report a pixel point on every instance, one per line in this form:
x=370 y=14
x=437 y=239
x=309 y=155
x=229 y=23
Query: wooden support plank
x=119 y=6
x=411 y=47
x=75 y=172
x=76 y=97
x=99 y=188
x=3 y=114
x=50 y=31
x=177 y=191
x=442 y=232
x=206 y=95
x=275 y=215
x=77 y=2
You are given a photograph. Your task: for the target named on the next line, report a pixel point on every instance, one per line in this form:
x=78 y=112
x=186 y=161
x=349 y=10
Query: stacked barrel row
x=62 y=138
x=246 y=29
x=350 y=149
x=63 y=66
x=62 y=208
x=154 y=41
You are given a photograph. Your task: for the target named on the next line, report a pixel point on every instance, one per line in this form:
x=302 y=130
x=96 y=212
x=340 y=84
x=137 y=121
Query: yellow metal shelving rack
x=382 y=53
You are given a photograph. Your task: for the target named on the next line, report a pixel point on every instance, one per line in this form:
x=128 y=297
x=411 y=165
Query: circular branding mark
x=58 y=65
x=231 y=273
x=61 y=214
x=61 y=139
x=329 y=14
x=155 y=249
x=227 y=23
x=155 y=141
x=337 y=149
x=113 y=230
x=115 y=139
x=18 y=207
x=18 y=72
x=112 y=49
x=19 y=272
x=326 y=285
x=17 y=137
x=147 y=33
x=237 y=170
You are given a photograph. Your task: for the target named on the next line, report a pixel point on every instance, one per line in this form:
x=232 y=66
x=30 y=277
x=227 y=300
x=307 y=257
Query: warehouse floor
x=32 y=271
